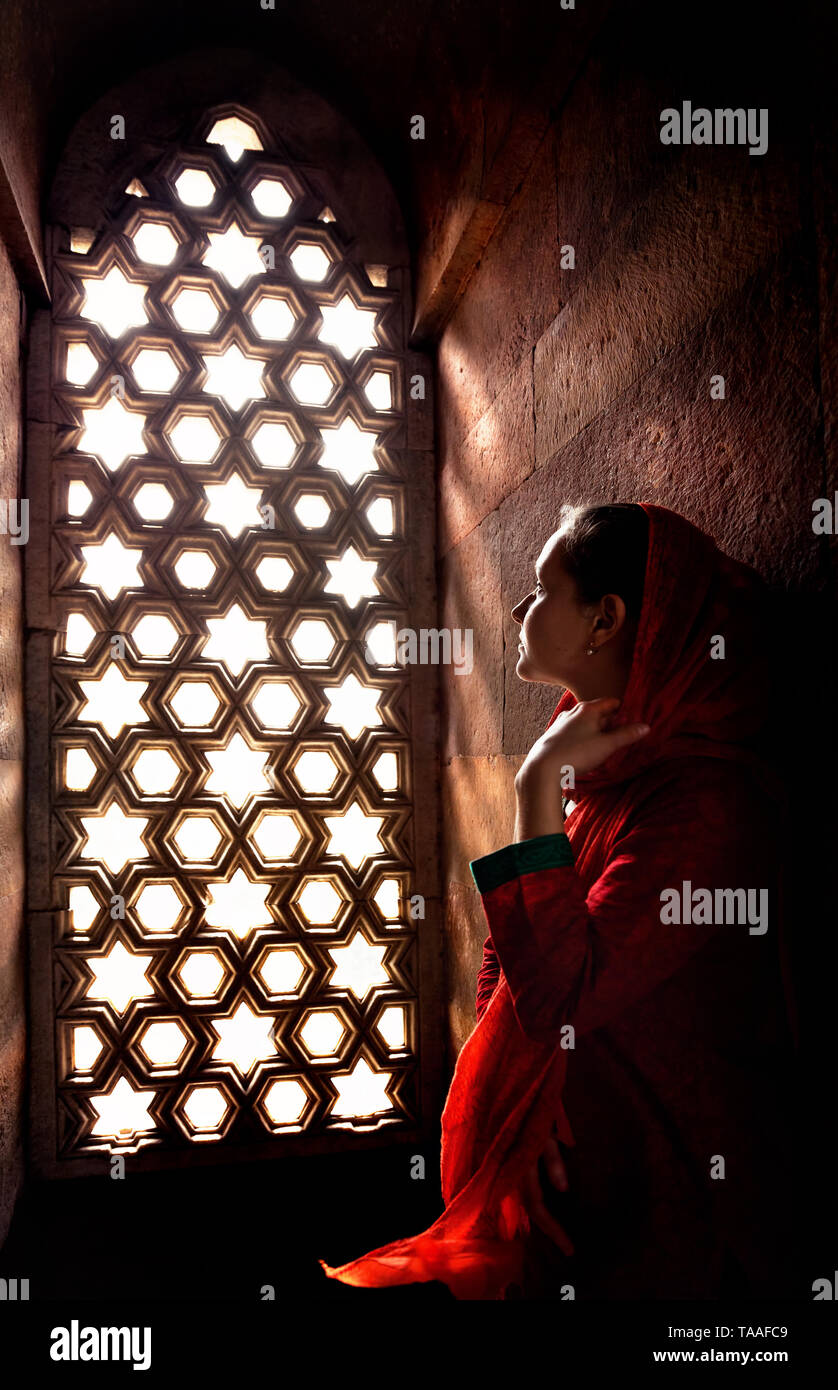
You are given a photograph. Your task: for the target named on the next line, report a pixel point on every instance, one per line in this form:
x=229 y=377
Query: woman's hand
x=533 y=1196
x=581 y=738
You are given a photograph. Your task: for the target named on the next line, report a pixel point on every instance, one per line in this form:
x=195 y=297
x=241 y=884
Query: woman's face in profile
x=555 y=630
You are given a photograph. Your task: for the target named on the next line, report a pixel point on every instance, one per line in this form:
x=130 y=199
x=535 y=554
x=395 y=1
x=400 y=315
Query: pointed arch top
x=181 y=99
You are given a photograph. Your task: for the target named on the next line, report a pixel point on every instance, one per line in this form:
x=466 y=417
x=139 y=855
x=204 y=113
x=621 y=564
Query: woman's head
x=579 y=621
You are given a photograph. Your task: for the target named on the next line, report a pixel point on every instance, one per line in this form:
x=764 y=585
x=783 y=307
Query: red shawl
x=506 y=1091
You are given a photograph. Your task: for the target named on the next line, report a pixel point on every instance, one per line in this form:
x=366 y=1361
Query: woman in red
x=630 y=1003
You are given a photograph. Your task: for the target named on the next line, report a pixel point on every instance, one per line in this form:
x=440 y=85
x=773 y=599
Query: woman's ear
x=612 y=614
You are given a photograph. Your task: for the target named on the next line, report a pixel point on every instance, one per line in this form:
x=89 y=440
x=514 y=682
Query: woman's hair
x=605 y=551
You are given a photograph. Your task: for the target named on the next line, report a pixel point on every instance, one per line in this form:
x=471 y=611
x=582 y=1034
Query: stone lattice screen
x=232 y=954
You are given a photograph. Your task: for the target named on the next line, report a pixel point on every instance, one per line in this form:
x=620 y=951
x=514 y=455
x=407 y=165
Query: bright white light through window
x=310 y=262
x=362 y=1092
x=238 y=771
x=79 y=498
x=313 y=640
x=195 y=188
x=312 y=384
x=236 y=640
x=312 y=510
x=111 y=566
x=195 y=569
x=79 y=770
x=234 y=377
x=84 y=907
x=112 y=433
x=234 y=255
x=271 y=198
x=379 y=391
x=195 y=310
x=195 y=439
x=233 y=505
x=244 y=1038
x=195 y=704
x=114 y=302
x=113 y=701
x=355 y=835
x=352 y=706
x=114 y=837
x=272 y=318
x=348 y=451
x=155 y=370
x=319 y=902
x=79 y=635
x=381 y=516
x=273 y=444
x=159 y=906
x=235 y=135
x=347 y=327
x=238 y=905
x=275 y=705
x=81 y=364
x=153 y=501
x=274 y=573
x=156 y=243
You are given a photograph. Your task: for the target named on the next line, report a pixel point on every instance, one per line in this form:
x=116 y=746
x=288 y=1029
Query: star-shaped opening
x=352 y=577
x=112 y=433
x=244 y=1038
x=114 y=302
x=234 y=377
x=236 y=640
x=113 y=701
x=234 y=255
x=119 y=977
x=238 y=905
x=233 y=505
x=123 y=1112
x=114 y=838
x=355 y=835
x=347 y=327
x=348 y=451
x=353 y=706
x=111 y=566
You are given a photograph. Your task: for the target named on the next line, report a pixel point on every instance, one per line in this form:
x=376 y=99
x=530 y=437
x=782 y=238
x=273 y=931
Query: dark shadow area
x=220 y=1233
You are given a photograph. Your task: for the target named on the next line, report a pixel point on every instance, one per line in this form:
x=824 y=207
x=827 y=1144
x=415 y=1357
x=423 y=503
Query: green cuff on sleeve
x=521 y=857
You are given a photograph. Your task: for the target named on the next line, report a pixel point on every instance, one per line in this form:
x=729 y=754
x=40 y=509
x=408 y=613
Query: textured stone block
x=502 y=315
x=490 y=462
x=478 y=798
x=688 y=246
x=472 y=703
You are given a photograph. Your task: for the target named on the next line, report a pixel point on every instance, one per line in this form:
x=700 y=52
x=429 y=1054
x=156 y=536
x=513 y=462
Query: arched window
x=228 y=954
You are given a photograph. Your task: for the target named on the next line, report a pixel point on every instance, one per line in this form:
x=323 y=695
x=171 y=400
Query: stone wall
x=12 y=990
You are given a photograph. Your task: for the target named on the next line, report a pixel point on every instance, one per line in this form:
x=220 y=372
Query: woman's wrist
x=539 y=805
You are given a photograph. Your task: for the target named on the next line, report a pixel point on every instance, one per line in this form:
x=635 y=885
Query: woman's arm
x=572 y=957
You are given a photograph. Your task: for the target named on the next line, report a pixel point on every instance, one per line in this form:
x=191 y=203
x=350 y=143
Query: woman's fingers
x=625 y=734
x=541 y=1216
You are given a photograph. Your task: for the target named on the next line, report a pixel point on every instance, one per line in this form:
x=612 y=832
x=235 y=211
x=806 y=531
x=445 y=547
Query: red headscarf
x=505 y=1095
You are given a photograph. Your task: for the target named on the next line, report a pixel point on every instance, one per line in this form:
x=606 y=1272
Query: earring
x=591 y=651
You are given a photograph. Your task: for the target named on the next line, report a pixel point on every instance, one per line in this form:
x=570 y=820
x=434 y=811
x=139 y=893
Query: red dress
x=659 y=1050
